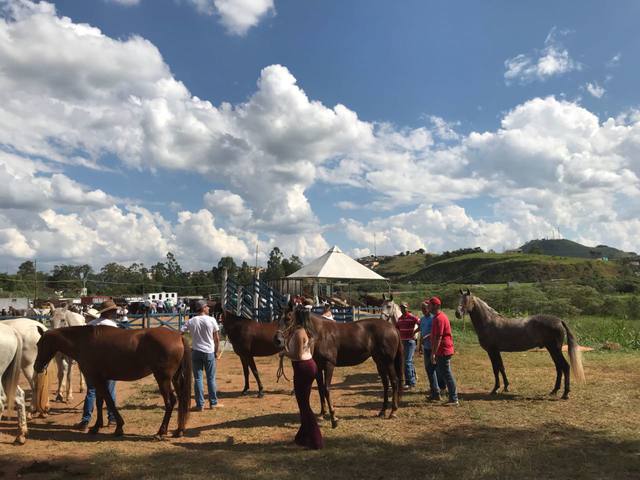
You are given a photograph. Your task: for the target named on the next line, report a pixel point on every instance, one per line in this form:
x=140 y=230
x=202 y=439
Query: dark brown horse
x=500 y=334
x=348 y=344
x=108 y=353
x=249 y=339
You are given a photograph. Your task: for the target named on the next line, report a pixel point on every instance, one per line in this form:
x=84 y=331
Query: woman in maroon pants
x=299 y=347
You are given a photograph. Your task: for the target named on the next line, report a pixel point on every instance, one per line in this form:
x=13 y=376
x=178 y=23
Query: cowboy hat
x=107 y=305
x=404 y=304
x=92 y=312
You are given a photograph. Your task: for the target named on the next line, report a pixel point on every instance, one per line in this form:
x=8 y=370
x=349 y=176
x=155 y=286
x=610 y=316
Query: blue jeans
x=436 y=382
x=443 y=364
x=409 y=369
x=207 y=362
x=90 y=401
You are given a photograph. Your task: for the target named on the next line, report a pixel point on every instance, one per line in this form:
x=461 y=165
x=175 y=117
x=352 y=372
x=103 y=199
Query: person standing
x=406 y=325
x=205 y=351
x=442 y=349
x=298 y=347
x=106 y=317
x=436 y=383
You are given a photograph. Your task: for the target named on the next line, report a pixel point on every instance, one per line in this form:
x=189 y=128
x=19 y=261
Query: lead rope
x=280 y=373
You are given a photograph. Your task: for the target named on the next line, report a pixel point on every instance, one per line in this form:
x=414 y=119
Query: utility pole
x=35 y=281
x=255 y=272
x=375 y=253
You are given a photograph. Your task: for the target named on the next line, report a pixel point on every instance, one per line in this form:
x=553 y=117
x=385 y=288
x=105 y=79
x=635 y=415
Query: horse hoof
x=260 y=394
x=334 y=423
x=119 y=432
x=20 y=440
x=94 y=430
x=493 y=392
x=245 y=393
x=158 y=437
x=505 y=389
x=565 y=396
x=553 y=393
x=393 y=415
x=381 y=414
x=178 y=434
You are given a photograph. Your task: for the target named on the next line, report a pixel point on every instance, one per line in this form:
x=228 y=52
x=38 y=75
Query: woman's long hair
x=301 y=319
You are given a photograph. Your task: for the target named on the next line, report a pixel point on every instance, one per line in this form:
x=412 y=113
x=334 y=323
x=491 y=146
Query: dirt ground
x=523 y=433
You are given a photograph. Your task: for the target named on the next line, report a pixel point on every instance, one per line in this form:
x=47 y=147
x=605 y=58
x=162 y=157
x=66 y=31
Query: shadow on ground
x=464 y=452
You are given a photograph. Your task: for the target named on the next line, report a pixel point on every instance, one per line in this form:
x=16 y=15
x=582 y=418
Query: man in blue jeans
x=205 y=350
x=106 y=316
x=406 y=326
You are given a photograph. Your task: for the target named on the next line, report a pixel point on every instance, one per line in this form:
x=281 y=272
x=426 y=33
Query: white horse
x=390 y=310
x=30 y=331
x=10 y=392
x=61 y=317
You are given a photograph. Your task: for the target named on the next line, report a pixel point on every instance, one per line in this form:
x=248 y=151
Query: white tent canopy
x=335 y=264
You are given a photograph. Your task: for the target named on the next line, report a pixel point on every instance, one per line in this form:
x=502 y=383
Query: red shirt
x=406 y=324
x=442 y=328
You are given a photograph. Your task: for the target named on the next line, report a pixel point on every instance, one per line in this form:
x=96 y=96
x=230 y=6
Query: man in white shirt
x=205 y=350
x=105 y=317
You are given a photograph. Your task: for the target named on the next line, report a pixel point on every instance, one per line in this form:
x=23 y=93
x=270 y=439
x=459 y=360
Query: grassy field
x=521 y=434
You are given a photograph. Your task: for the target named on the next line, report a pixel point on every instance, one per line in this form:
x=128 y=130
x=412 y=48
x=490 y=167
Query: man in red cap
x=442 y=349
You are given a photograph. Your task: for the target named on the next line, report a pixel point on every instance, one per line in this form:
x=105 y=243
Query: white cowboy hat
x=92 y=312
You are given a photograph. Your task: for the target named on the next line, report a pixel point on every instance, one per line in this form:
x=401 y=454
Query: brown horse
x=107 y=353
x=249 y=339
x=348 y=344
x=500 y=334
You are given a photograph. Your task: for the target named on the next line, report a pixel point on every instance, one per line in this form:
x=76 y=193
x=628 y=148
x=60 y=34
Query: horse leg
x=256 y=375
x=384 y=376
x=327 y=390
x=101 y=389
x=395 y=389
x=496 y=369
x=561 y=362
x=502 y=372
x=245 y=371
x=28 y=373
x=321 y=391
x=99 y=419
x=164 y=384
x=22 y=417
x=61 y=365
x=558 y=365
x=69 y=392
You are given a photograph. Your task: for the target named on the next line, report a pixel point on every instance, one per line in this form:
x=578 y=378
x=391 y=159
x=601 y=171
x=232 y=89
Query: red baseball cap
x=435 y=301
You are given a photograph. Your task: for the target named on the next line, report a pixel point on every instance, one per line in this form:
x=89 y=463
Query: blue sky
x=206 y=126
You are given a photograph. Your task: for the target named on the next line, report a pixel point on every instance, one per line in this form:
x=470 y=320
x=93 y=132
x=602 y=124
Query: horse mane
x=489 y=311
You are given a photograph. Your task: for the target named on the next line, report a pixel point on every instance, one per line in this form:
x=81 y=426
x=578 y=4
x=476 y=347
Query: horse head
x=59 y=317
x=466 y=303
x=390 y=310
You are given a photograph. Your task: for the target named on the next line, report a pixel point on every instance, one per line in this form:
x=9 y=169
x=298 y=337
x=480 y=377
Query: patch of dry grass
x=523 y=434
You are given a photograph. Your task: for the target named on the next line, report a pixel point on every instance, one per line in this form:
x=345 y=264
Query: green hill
x=568 y=248
x=517 y=267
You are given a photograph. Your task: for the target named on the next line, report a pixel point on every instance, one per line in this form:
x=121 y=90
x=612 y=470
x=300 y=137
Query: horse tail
x=398 y=364
x=12 y=374
x=182 y=383
x=575 y=355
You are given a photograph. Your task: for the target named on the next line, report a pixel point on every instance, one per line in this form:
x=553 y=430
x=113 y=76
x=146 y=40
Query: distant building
x=162 y=296
x=21 y=303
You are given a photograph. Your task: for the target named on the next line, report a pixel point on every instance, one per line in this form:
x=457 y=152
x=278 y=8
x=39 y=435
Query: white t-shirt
x=202 y=329
x=107 y=322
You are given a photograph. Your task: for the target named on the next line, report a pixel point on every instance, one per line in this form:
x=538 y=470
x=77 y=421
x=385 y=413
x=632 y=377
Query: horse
x=501 y=334
x=371 y=301
x=62 y=317
x=30 y=332
x=10 y=363
x=390 y=310
x=106 y=353
x=249 y=339
x=348 y=344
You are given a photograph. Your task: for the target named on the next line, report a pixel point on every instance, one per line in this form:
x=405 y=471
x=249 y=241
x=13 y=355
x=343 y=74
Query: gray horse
x=501 y=334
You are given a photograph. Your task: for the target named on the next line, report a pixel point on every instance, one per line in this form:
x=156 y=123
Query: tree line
x=116 y=279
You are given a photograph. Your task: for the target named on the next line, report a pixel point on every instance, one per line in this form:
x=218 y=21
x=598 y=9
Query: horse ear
x=41 y=330
x=383 y=297
x=391 y=297
x=468 y=292
x=461 y=292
